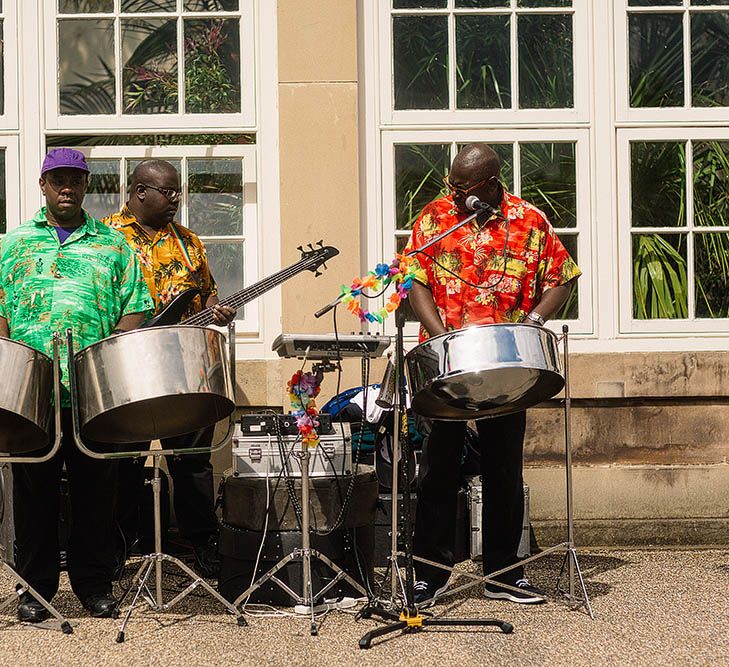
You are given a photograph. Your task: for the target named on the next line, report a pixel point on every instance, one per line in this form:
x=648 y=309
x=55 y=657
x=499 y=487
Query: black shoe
x=101 y=605
x=31 y=611
x=527 y=594
x=427 y=592
x=207 y=559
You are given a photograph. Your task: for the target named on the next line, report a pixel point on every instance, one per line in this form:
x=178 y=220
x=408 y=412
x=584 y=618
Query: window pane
x=656 y=60
x=149 y=50
x=3 y=195
x=711 y=266
x=710 y=59
x=212 y=66
x=506 y=154
x=711 y=183
x=420 y=59
x=215 y=199
x=211 y=5
x=657 y=180
x=418 y=4
x=104 y=194
x=482 y=3
x=545 y=61
x=148 y=5
x=570 y=310
x=419 y=172
x=660 y=286
x=548 y=180
x=483 y=60
x=226 y=265
x=709 y=2
x=86 y=66
x=544 y=3
x=653 y=3
x=2 y=69
x=85 y=6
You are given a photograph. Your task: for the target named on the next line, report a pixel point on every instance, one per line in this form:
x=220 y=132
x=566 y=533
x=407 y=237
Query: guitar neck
x=247 y=294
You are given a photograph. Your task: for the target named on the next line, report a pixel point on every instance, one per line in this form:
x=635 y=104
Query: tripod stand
x=409 y=619
x=154 y=561
x=22 y=585
x=305 y=553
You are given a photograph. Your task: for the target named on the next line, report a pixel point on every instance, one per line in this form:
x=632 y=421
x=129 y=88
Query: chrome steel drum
x=25 y=398
x=153 y=383
x=483 y=371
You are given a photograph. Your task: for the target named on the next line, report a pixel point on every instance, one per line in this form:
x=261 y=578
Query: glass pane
x=711 y=183
x=215 y=197
x=483 y=57
x=482 y=3
x=3 y=195
x=657 y=183
x=653 y=3
x=2 y=69
x=419 y=172
x=418 y=4
x=544 y=3
x=212 y=66
x=656 y=60
x=709 y=2
x=570 y=310
x=545 y=61
x=104 y=194
x=710 y=59
x=211 y=5
x=149 y=50
x=85 y=6
x=400 y=243
x=548 y=180
x=711 y=268
x=660 y=286
x=226 y=265
x=86 y=66
x=420 y=62
x=148 y=5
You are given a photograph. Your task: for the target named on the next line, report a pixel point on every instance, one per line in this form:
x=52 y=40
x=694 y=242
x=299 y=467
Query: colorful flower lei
x=401 y=271
x=303 y=389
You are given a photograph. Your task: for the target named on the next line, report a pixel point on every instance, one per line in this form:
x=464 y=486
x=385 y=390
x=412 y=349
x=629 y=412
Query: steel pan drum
x=153 y=383
x=483 y=371
x=25 y=398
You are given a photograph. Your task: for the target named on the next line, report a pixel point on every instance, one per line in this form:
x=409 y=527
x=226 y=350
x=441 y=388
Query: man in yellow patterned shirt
x=173 y=259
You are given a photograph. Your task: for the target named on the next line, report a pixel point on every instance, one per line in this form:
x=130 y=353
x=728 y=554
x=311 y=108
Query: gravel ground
x=651 y=608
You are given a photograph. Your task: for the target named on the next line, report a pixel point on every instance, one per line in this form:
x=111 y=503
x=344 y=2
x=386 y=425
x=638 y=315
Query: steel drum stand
x=154 y=561
x=22 y=586
x=409 y=619
x=570 y=564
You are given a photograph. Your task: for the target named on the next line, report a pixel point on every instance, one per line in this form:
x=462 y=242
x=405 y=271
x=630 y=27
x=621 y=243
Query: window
x=9 y=183
x=8 y=67
x=152 y=63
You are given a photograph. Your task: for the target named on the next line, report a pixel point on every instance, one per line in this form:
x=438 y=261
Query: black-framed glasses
x=172 y=195
x=464 y=192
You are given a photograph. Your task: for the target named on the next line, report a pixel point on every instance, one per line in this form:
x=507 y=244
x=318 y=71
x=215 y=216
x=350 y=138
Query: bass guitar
x=173 y=312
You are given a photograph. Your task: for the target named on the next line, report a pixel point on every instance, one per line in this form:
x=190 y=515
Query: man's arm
x=553 y=299
x=129 y=322
x=4 y=329
x=421 y=301
x=222 y=315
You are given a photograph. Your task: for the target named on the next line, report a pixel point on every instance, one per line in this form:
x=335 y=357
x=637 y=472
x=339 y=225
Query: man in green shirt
x=64 y=269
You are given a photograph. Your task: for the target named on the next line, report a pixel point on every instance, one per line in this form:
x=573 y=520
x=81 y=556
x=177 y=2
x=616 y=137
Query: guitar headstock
x=317 y=254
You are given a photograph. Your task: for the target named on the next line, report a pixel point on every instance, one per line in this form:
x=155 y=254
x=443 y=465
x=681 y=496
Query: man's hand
x=223 y=315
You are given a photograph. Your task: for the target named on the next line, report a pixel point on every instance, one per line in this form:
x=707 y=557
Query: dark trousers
x=36 y=497
x=501 y=441
x=192 y=476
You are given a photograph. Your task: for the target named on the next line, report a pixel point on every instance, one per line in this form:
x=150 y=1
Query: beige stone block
x=317 y=40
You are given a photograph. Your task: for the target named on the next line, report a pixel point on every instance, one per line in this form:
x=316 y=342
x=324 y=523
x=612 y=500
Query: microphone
x=473 y=203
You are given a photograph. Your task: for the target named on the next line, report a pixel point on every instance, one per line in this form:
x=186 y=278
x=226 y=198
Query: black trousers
x=36 y=497
x=501 y=441
x=192 y=476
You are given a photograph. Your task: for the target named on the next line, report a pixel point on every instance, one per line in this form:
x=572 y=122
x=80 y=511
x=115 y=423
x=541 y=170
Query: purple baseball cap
x=64 y=157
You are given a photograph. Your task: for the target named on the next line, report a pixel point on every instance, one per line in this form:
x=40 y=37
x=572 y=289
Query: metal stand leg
x=155 y=561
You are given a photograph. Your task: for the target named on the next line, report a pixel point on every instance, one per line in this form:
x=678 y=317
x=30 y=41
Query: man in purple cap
x=64 y=269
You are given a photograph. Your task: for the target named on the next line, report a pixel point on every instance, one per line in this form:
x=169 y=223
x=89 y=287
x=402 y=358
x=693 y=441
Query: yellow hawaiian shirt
x=172 y=262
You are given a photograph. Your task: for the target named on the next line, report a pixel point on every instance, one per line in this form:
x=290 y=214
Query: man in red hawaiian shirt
x=510 y=267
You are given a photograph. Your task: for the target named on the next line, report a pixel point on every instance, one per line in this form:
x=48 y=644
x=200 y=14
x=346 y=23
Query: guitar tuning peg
x=300 y=248
x=325 y=265
x=311 y=247
x=317 y=273
x=320 y=243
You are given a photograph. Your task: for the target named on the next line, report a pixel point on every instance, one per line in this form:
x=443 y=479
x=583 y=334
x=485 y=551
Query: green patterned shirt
x=88 y=284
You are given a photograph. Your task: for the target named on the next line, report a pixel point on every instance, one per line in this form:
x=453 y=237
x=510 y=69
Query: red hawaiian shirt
x=536 y=260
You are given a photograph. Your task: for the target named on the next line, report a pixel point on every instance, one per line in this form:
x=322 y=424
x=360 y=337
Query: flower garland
x=303 y=389
x=401 y=271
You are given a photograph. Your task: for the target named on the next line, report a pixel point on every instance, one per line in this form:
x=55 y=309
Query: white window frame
x=581 y=11
x=581 y=137
x=679 y=114
x=12 y=180
x=687 y=326
x=241 y=122
x=250 y=324
x=9 y=118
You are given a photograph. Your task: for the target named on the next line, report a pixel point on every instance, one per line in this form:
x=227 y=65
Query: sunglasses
x=173 y=196
x=464 y=192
